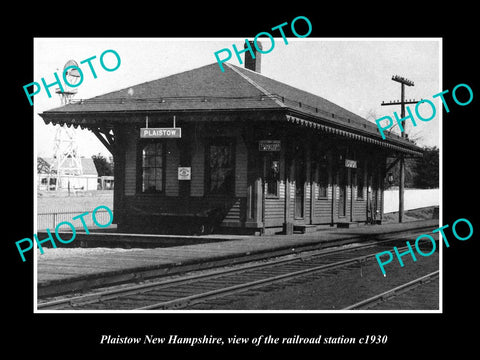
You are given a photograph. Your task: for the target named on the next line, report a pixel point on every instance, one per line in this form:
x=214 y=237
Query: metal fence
x=51 y=219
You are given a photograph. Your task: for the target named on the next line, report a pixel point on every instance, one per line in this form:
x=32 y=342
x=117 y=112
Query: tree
x=421 y=172
x=427 y=169
x=103 y=166
x=409 y=173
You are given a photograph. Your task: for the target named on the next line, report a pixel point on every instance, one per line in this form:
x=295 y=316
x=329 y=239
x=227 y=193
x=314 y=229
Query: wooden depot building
x=235 y=151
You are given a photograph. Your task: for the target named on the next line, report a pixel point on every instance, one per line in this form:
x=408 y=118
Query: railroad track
x=396 y=291
x=189 y=290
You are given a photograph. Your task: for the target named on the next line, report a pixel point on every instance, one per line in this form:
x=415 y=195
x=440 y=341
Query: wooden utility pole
x=402 y=103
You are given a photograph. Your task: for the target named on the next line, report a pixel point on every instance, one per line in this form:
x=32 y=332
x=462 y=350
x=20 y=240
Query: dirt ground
x=412 y=215
x=48 y=202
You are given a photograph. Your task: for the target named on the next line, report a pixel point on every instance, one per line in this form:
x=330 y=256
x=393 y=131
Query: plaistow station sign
x=156 y=133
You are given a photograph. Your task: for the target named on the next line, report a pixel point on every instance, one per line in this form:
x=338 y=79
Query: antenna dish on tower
x=71 y=76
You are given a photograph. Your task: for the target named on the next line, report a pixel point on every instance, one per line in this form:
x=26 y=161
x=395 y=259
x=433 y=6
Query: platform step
x=305 y=229
x=347 y=224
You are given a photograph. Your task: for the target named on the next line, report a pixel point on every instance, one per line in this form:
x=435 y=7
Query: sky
x=353 y=73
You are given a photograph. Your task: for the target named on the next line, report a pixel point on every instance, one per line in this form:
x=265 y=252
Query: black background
x=60 y=335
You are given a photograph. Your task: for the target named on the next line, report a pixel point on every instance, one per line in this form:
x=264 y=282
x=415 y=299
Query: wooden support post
x=254 y=180
x=351 y=189
x=263 y=190
x=288 y=224
x=401 y=189
x=313 y=170
x=309 y=180
x=119 y=174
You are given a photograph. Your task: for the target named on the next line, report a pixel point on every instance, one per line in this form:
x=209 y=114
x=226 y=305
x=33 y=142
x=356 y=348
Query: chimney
x=250 y=62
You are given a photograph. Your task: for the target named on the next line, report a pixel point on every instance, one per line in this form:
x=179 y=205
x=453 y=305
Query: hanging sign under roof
x=269 y=145
x=350 y=163
x=162 y=133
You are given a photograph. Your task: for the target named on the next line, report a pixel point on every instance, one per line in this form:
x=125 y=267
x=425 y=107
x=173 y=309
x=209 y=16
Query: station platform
x=67 y=270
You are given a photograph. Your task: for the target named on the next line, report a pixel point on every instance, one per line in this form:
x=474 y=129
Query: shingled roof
x=207 y=88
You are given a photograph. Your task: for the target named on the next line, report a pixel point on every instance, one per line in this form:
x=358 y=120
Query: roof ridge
x=152 y=81
x=278 y=102
x=347 y=115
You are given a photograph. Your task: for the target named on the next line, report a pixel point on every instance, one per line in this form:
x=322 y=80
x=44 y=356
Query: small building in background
x=48 y=179
x=105 y=182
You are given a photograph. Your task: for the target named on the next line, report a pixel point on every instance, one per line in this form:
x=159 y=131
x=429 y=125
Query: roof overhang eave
x=355 y=134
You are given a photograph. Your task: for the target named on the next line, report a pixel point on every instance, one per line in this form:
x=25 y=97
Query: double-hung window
x=152 y=177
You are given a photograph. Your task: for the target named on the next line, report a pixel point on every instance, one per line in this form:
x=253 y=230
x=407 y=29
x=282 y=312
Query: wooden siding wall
x=308 y=186
x=292 y=200
x=380 y=195
x=336 y=194
x=316 y=210
x=348 y=211
x=275 y=207
x=170 y=201
x=130 y=162
x=360 y=204
x=241 y=167
x=323 y=207
x=307 y=202
x=336 y=201
x=171 y=168
x=198 y=168
x=237 y=212
x=355 y=210
x=380 y=202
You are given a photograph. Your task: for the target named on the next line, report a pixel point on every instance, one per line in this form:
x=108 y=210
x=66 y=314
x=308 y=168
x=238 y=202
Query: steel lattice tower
x=66 y=159
x=65 y=150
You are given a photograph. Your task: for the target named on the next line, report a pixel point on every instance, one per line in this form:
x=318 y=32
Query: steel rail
x=189 y=300
x=192 y=299
x=248 y=285
x=394 y=292
x=137 y=289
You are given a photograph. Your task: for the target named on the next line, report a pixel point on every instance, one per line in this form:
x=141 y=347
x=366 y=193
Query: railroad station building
x=235 y=151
